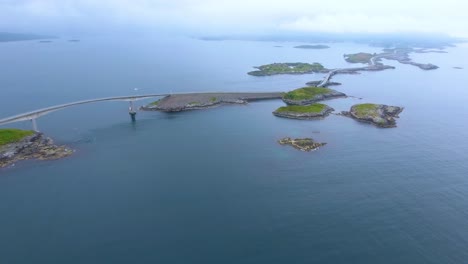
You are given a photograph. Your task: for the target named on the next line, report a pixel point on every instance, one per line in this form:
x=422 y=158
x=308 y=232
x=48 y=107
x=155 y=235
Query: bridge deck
x=43 y=111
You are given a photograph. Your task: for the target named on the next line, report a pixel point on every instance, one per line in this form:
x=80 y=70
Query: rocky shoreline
x=196 y=101
x=36 y=146
x=377 y=114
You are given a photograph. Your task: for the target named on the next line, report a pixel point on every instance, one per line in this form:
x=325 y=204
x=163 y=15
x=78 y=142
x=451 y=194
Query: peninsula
x=193 y=101
x=16 y=145
x=376 y=114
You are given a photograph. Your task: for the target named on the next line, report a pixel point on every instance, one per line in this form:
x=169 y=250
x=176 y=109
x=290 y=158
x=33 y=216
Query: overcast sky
x=236 y=16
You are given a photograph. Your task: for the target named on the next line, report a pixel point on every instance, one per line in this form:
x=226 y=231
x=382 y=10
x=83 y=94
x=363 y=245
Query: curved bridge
x=328 y=77
x=33 y=115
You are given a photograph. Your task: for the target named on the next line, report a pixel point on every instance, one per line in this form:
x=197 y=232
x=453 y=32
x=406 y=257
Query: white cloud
x=438 y=16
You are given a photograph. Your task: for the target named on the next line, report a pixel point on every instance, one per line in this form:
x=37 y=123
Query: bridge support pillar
x=132 y=116
x=34 y=124
x=132 y=112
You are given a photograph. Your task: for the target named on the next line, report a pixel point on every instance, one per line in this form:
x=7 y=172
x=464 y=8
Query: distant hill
x=402 y=40
x=4 y=37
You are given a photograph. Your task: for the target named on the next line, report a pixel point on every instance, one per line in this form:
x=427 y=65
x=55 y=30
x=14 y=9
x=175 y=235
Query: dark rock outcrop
x=303 y=144
x=36 y=146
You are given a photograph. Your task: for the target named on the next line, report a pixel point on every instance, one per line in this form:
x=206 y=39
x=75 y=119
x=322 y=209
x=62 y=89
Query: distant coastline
x=397 y=40
x=319 y=46
x=9 y=37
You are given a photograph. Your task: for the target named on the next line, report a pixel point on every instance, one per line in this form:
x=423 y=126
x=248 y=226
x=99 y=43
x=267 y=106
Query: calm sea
x=213 y=186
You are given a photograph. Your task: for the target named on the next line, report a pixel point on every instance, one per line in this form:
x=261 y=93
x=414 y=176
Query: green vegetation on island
x=360 y=57
x=11 y=135
x=306 y=93
x=309 y=95
x=313 y=111
x=313 y=108
x=312 y=47
x=362 y=110
x=287 y=68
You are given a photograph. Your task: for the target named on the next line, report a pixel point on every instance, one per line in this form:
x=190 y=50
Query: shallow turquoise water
x=214 y=186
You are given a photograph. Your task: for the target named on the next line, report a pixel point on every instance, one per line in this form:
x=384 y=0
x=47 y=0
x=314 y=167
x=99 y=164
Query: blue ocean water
x=213 y=186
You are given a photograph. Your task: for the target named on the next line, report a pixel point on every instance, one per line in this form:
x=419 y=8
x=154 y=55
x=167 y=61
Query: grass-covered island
x=312 y=47
x=377 y=114
x=288 y=68
x=360 y=57
x=16 y=145
x=309 y=95
x=313 y=111
x=304 y=144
